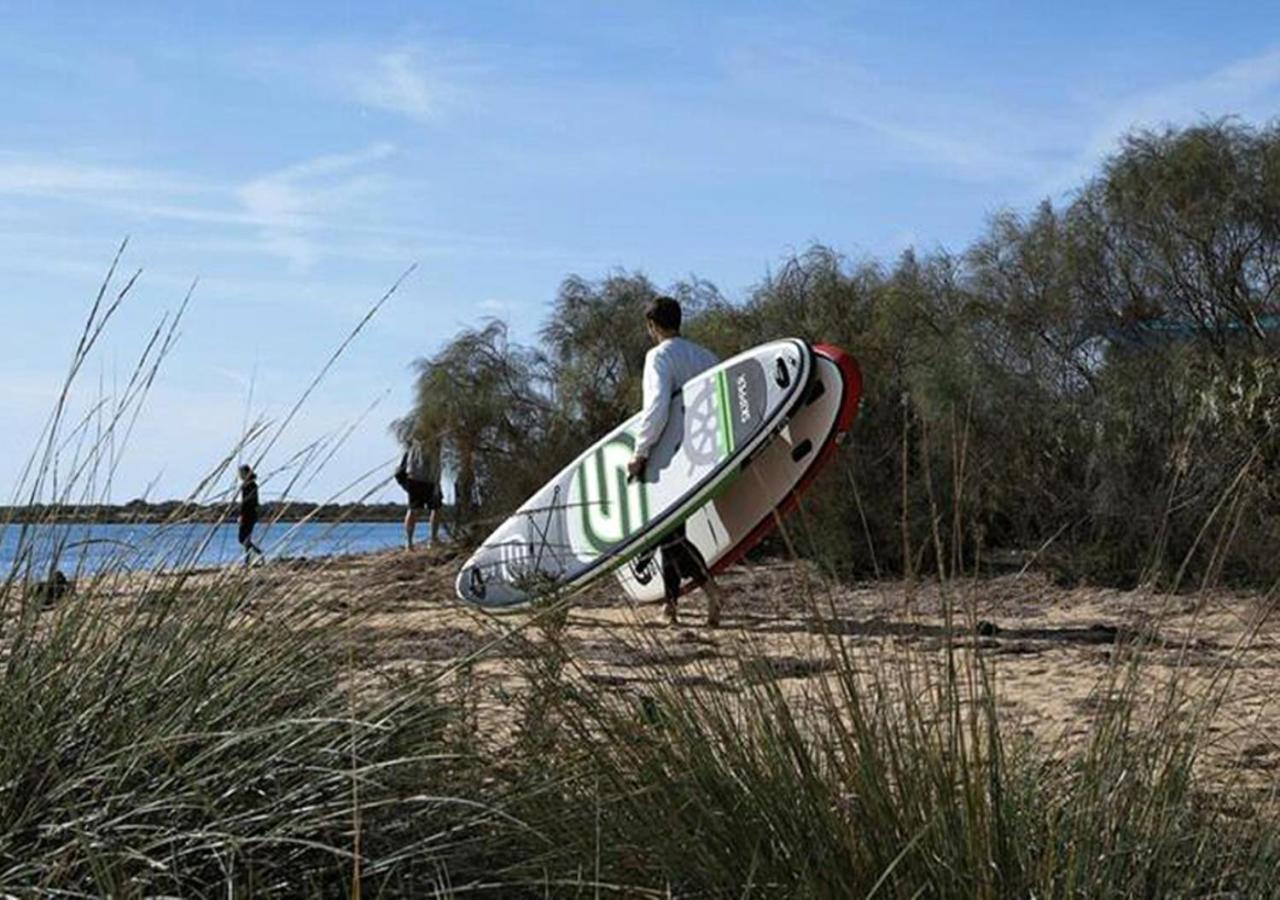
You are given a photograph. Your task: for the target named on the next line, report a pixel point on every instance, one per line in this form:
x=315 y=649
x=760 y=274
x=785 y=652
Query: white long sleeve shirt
x=666 y=368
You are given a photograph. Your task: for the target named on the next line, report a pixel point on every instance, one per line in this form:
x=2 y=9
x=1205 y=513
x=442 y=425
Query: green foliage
x=595 y=343
x=1083 y=386
x=506 y=417
x=183 y=749
x=478 y=402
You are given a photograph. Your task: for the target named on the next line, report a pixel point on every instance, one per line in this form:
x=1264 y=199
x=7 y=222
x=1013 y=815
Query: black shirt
x=249 y=499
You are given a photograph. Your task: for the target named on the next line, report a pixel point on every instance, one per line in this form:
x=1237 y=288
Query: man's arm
x=657 y=406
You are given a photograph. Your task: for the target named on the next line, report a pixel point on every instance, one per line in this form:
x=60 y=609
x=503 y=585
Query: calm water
x=89 y=548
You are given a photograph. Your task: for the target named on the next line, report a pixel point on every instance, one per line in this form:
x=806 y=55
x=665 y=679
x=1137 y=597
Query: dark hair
x=664 y=312
x=246 y=469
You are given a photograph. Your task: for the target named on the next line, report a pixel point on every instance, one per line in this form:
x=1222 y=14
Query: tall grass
x=164 y=733
x=172 y=747
x=896 y=775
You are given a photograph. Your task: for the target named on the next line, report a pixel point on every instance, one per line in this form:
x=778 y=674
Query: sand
x=1050 y=649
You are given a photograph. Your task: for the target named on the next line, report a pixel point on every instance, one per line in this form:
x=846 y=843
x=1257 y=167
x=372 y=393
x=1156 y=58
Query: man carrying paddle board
x=671 y=362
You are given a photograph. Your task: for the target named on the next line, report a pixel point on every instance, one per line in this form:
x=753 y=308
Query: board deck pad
x=725 y=527
x=590 y=518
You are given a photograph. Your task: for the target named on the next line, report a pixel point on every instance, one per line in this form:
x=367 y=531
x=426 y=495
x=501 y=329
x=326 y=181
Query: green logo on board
x=609 y=509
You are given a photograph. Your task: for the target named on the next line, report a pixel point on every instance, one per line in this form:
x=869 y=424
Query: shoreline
x=88 y=549
x=174 y=511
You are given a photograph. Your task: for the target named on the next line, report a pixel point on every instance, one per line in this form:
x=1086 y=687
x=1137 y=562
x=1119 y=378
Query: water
x=85 y=549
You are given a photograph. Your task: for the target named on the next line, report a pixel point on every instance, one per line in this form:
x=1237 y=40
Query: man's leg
x=715 y=598
x=695 y=567
x=669 y=551
x=246 y=540
x=410 y=523
x=670 y=590
x=435 y=525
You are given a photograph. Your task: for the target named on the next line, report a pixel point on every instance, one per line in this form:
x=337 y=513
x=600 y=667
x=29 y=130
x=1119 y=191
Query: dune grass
x=160 y=733
x=893 y=776
x=186 y=746
x=172 y=746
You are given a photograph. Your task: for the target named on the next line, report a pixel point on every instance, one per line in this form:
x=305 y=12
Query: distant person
x=57 y=587
x=248 y=512
x=419 y=475
x=672 y=361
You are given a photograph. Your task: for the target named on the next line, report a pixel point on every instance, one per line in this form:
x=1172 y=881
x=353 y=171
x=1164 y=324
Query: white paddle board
x=729 y=525
x=589 y=519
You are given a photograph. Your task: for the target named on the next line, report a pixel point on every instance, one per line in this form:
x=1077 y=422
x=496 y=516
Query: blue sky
x=297 y=157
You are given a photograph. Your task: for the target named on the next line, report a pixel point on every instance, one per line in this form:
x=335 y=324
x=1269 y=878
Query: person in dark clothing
x=419 y=475
x=248 y=511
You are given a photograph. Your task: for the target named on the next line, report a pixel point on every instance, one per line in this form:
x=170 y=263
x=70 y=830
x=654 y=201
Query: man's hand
x=635 y=468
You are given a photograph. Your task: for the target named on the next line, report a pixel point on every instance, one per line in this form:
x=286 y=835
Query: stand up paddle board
x=589 y=519
x=737 y=519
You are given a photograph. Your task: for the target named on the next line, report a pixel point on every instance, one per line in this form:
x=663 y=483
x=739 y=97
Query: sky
x=295 y=159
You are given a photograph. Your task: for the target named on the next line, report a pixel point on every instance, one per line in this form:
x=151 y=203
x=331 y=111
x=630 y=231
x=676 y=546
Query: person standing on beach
x=248 y=511
x=419 y=475
x=671 y=362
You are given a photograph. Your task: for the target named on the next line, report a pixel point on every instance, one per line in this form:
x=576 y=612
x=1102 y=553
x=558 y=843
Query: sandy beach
x=1055 y=654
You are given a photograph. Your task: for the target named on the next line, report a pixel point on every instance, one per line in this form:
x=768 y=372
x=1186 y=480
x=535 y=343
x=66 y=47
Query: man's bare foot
x=713 y=606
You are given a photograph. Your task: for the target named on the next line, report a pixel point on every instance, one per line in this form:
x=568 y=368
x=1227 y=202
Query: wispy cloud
x=890 y=122
x=287 y=211
x=1248 y=88
x=495 y=307
x=292 y=201
x=999 y=138
x=399 y=84
x=412 y=81
x=57 y=179
x=234 y=376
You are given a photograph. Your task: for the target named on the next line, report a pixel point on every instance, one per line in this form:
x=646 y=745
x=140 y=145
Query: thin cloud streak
x=326 y=207
x=993 y=140
x=63 y=180
x=416 y=82
x=1248 y=87
x=290 y=200
x=894 y=123
x=398 y=84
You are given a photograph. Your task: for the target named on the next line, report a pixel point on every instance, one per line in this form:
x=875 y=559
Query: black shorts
x=681 y=560
x=423 y=495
